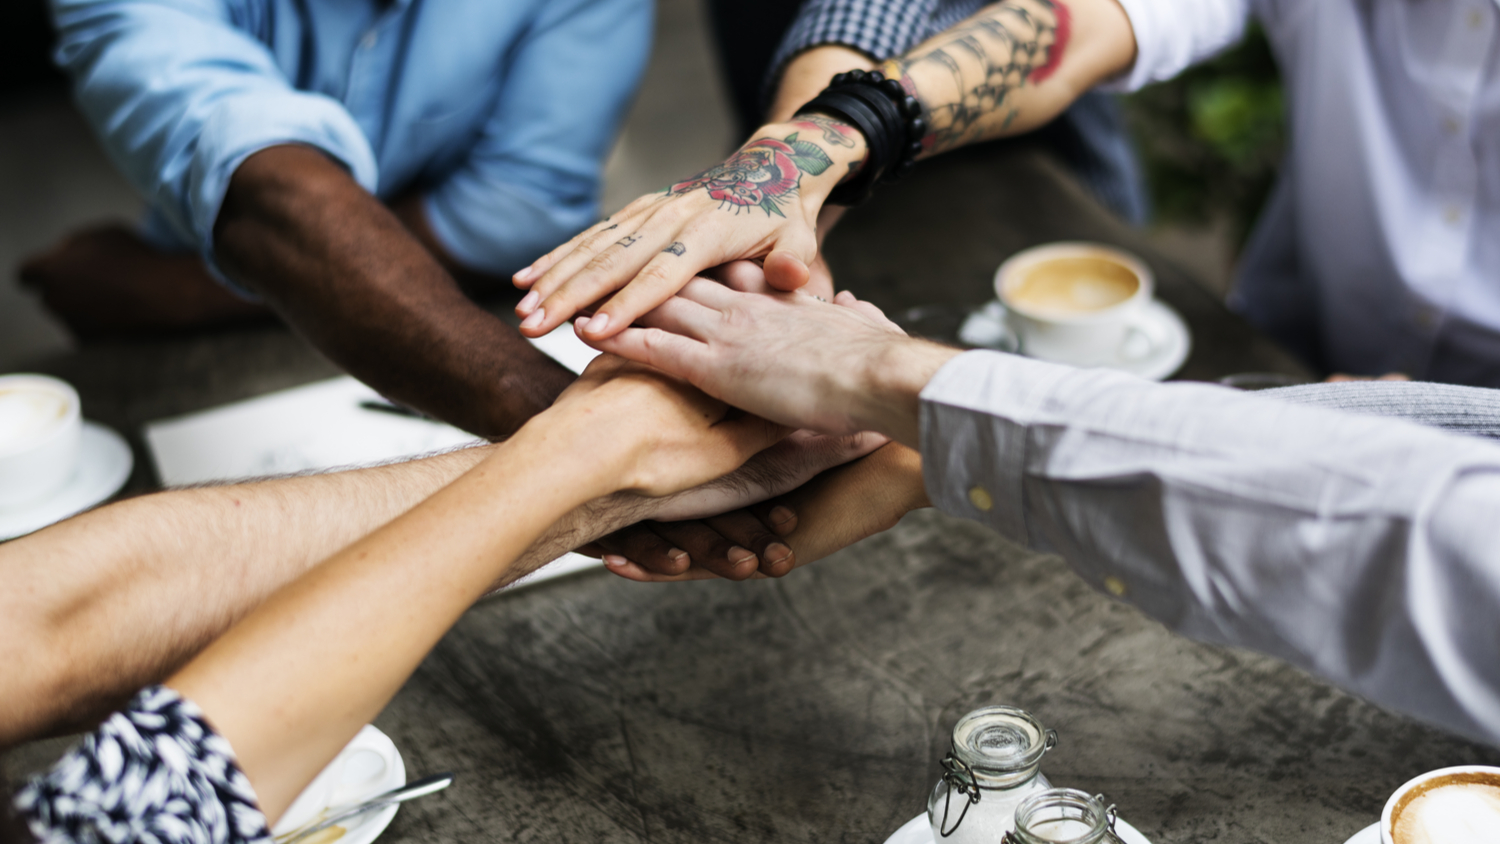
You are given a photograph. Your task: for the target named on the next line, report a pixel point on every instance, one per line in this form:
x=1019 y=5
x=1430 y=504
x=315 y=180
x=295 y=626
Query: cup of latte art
x=1446 y=806
x=40 y=431
x=1073 y=302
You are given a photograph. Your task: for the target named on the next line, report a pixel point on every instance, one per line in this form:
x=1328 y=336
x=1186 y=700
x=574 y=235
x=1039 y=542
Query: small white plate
x=1368 y=835
x=918 y=830
x=104 y=464
x=367 y=766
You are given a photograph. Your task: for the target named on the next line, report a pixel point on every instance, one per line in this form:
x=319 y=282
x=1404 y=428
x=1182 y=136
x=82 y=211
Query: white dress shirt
x=1380 y=248
x=1364 y=549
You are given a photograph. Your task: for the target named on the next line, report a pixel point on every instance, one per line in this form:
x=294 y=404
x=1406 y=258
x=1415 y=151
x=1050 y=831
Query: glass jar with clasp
x=992 y=766
x=1063 y=816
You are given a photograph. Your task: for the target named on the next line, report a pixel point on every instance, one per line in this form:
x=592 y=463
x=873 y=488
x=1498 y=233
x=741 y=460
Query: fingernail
x=535 y=320
x=615 y=561
x=598 y=323
x=580 y=324
x=526 y=274
x=678 y=555
x=740 y=556
x=776 y=553
x=528 y=302
x=780 y=515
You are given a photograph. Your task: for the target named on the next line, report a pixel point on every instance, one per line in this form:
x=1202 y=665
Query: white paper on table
x=320 y=427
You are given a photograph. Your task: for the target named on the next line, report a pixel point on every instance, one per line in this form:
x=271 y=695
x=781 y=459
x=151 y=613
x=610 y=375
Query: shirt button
x=1114 y=586
x=369 y=41
x=1476 y=19
x=980 y=498
x=1426 y=318
x=1452 y=215
x=1452 y=125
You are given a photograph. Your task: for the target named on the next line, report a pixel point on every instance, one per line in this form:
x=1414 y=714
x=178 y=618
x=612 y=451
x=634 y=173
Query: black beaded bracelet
x=889 y=118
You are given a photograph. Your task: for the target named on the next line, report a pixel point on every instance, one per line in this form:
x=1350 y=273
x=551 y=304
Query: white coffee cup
x=41 y=427
x=1074 y=302
x=1471 y=808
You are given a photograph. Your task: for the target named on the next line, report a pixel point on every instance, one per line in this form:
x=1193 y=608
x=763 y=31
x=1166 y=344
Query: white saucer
x=104 y=464
x=1157 y=345
x=1368 y=835
x=918 y=830
x=367 y=766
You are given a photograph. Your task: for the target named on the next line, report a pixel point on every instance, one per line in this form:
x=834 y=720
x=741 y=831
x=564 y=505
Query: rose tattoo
x=764 y=174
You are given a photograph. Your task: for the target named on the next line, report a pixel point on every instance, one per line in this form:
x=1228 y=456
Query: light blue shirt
x=501 y=112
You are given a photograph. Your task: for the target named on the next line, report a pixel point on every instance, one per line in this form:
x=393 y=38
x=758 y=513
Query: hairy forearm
x=374 y=609
x=1013 y=67
x=345 y=272
x=100 y=605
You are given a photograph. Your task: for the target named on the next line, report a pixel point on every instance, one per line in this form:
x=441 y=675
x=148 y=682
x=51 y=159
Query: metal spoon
x=410 y=791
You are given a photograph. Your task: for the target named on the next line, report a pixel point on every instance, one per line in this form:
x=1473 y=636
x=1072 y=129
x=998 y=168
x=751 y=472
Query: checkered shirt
x=879 y=28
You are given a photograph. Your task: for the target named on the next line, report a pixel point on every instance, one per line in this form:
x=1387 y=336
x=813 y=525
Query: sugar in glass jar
x=994 y=765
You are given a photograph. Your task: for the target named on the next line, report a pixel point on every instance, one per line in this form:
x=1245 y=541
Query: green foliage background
x=1211 y=140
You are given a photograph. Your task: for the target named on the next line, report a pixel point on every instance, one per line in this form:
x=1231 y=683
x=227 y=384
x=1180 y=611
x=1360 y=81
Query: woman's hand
x=762 y=202
x=644 y=431
x=836 y=368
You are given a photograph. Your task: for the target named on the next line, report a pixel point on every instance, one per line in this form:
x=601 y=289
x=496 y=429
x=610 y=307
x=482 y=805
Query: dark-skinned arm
x=346 y=273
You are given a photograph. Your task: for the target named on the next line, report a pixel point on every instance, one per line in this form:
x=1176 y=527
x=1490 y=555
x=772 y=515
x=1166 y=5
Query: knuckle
x=605 y=262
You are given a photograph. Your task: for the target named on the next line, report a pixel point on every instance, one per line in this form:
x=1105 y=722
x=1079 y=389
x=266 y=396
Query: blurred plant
x=1211 y=140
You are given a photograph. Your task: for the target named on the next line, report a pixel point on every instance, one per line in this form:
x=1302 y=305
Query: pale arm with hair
x=100 y=605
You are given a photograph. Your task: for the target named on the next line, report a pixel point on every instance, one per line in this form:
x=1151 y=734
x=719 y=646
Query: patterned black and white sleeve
x=879 y=28
x=156 y=773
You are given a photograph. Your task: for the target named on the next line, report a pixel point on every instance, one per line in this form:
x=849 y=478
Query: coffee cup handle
x=1142 y=340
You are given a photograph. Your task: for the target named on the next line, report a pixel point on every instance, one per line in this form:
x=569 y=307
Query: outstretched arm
x=1358 y=548
x=296 y=679
x=1010 y=68
x=102 y=604
x=342 y=269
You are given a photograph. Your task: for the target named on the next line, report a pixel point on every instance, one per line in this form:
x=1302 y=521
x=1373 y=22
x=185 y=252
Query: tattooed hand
x=761 y=202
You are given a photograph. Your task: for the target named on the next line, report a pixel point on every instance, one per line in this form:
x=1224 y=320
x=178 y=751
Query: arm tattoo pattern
x=1004 y=49
x=676 y=248
x=764 y=174
x=835 y=132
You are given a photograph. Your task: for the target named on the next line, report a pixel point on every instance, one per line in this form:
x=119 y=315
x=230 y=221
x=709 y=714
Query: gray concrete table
x=815 y=708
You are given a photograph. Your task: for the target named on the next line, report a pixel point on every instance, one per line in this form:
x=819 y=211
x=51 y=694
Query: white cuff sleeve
x=1171 y=35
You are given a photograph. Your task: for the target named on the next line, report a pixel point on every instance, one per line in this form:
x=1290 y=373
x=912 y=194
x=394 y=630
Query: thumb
x=787 y=265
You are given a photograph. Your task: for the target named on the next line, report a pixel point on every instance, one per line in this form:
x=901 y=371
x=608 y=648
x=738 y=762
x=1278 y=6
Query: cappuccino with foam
x=1073 y=285
x=1462 y=808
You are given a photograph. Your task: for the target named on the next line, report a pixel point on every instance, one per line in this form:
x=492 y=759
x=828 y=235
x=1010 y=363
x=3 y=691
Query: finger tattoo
x=627 y=240
x=676 y=248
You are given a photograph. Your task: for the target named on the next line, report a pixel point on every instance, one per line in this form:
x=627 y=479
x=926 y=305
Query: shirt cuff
x=243 y=126
x=975 y=416
x=1171 y=35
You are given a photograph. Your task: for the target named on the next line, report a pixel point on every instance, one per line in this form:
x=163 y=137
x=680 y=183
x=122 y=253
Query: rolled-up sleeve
x=1356 y=547
x=1171 y=35
x=532 y=180
x=180 y=97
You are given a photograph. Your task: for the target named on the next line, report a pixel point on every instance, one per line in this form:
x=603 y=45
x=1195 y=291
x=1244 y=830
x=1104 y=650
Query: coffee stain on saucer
x=325 y=836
